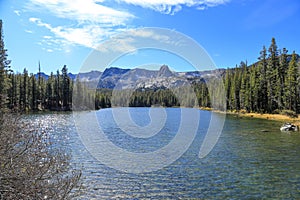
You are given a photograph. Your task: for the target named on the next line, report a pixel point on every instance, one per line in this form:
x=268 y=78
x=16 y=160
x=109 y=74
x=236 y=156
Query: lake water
x=251 y=160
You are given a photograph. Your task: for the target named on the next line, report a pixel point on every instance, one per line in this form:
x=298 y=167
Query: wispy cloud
x=28 y=31
x=17 y=12
x=129 y=40
x=87 y=35
x=91 y=21
x=173 y=6
x=84 y=11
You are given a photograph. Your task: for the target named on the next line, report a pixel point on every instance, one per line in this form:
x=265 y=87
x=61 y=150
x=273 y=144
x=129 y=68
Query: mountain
x=118 y=78
x=89 y=76
x=42 y=74
x=151 y=79
x=164 y=71
x=113 y=71
x=72 y=76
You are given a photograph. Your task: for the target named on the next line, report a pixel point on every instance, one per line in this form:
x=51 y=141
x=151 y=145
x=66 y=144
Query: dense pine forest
x=271 y=85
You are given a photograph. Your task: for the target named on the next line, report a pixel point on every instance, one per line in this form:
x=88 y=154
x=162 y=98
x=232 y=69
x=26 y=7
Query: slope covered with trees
x=270 y=85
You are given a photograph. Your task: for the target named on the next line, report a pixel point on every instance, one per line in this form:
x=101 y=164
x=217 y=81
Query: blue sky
x=64 y=32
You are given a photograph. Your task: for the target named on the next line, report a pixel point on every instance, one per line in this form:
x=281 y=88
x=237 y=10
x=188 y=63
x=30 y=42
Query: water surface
x=252 y=160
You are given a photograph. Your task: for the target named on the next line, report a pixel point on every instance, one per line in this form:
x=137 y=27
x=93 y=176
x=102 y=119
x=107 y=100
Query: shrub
x=31 y=166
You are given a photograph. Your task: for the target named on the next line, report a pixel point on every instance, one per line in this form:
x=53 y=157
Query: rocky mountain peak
x=164 y=71
x=113 y=71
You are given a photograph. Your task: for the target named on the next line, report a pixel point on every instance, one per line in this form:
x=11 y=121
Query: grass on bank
x=284 y=116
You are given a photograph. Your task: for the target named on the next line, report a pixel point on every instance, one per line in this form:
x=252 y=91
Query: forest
x=271 y=85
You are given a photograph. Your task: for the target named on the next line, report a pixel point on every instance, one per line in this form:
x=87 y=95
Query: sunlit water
x=252 y=160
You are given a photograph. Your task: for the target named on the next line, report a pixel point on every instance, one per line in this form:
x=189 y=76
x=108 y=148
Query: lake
x=251 y=160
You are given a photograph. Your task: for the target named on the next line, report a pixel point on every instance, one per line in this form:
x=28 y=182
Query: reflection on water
x=252 y=160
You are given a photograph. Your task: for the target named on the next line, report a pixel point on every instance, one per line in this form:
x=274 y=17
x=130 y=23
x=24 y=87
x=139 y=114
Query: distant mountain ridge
x=149 y=79
x=114 y=77
x=46 y=76
x=120 y=78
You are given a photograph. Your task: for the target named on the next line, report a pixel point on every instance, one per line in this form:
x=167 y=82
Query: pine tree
x=263 y=97
x=40 y=92
x=228 y=87
x=292 y=96
x=33 y=93
x=49 y=103
x=57 y=91
x=24 y=106
x=283 y=67
x=4 y=69
x=254 y=87
x=272 y=76
x=237 y=88
x=245 y=87
x=65 y=88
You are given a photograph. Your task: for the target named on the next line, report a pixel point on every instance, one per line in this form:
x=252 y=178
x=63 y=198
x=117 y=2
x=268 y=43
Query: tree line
x=34 y=92
x=186 y=96
x=270 y=85
x=30 y=92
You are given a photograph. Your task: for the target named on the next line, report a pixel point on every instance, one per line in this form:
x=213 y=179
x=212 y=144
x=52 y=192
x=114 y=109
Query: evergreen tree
x=272 y=76
x=245 y=87
x=33 y=93
x=292 y=95
x=24 y=106
x=283 y=67
x=40 y=90
x=4 y=68
x=254 y=87
x=50 y=100
x=237 y=88
x=65 y=88
x=12 y=92
x=57 y=91
x=263 y=97
x=227 y=88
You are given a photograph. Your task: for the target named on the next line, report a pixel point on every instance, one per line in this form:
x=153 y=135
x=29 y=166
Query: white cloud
x=84 y=11
x=47 y=37
x=130 y=40
x=173 y=6
x=28 y=31
x=87 y=35
x=91 y=21
x=126 y=42
x=17 y=12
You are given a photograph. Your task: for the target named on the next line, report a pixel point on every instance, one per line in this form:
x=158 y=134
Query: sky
x=64 y=32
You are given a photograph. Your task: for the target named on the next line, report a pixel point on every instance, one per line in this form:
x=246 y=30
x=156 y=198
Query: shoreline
x=275 y=117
